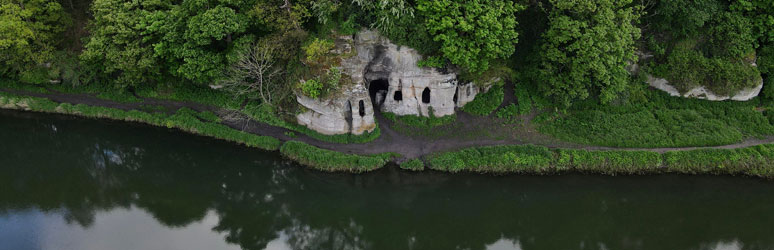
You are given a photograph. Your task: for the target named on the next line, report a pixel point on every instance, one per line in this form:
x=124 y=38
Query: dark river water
x=78 y=184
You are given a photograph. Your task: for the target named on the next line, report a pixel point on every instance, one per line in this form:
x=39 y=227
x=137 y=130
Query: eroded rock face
x=410 y=90
x=386 y=75
x=703 y=93
x=700 y=92
x=349 y=111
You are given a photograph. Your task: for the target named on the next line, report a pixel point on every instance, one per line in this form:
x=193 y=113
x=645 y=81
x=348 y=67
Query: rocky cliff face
x=700 y=92
x=386 y=77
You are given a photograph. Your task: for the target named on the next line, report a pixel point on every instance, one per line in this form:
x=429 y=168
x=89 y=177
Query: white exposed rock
x=369 y=59
x=340 y=114
x=702 y=92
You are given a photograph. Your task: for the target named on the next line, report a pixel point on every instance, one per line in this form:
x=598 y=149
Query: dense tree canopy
x=574 y=50
x=28 y=32
x=586 y=48
x=473 y=32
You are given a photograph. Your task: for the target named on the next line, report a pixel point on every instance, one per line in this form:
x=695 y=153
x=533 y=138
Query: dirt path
x=389 y=141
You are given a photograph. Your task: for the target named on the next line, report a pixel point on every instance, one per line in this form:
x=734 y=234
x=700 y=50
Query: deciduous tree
x=585 y=49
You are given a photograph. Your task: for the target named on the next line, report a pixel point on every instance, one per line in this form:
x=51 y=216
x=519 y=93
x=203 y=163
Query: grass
x=484 y=104
x=333 y=161
x=755 y=161
x=188 y=120
x=413 y=165
x=661 y=121
x=420 y=122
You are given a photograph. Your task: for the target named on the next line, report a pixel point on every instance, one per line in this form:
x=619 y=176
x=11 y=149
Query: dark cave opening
x=426 y=95
x=378 y=88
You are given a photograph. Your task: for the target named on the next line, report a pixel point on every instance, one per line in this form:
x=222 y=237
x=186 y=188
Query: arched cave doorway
x=426 y=95
x=377 y=90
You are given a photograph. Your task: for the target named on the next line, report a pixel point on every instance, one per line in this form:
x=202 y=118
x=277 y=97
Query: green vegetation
x=472 y=32
x=586 y=48
x=661 y=121
x=413 y=165
x=421 y=122
x=28 y=37
x=708 y=43
x=495 y=159
x=327 y=160
x=751 y=161
x=486 y=103
x=202 y=123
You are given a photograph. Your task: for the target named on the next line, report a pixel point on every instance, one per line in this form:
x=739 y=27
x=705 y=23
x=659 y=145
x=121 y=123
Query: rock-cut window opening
x=426 y=95
x=361 y=108
x=398 y=95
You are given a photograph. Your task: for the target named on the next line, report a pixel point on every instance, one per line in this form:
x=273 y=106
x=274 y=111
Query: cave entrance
x=377 y=89
x=426 y=95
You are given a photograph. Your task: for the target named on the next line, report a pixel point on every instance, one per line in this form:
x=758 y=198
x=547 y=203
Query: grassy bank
x=201 y=123
x=332 y=161
x=659 y=120
x=755 y=161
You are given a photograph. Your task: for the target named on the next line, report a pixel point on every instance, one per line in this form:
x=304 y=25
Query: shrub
x=413 y=165
x=485 y=103
x=327 y=160
x=495 y=159
x=312 y=88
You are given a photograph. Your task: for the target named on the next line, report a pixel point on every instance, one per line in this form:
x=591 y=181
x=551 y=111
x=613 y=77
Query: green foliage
x=117 y=43
x=682 y=18
x=385 y=15
x=184 y=119
x=495 y=159
x=484 y=104
x=29 y=34
x=432 y=62
x=686 y=68
x=317 y=49
x=753 y=161
x=413 y=165
x=327 y=160
x=191 y=93
x=586 y=48
x=312 y=88
x=610 y=162
x=662 y=121
x=472 y=33
x=761 y=14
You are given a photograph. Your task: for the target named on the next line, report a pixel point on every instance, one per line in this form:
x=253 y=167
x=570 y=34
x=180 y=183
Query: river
x=69 y=183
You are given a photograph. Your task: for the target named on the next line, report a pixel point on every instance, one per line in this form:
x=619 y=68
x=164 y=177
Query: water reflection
x=99 y=185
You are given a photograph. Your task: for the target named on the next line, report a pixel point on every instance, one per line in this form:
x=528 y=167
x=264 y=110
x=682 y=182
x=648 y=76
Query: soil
x=468 y=130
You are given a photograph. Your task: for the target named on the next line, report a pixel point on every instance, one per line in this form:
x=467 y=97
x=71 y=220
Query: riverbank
x=751 y=157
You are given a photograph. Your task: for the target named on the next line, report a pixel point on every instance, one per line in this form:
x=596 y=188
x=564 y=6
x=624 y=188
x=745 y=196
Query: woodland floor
x=467 y=131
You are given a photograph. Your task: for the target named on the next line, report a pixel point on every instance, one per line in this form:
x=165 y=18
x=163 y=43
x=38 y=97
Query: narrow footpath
x=389 y=141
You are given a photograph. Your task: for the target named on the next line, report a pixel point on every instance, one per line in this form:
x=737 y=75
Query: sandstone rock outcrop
x=699 y=92
x=702 y=92
x=386 y=77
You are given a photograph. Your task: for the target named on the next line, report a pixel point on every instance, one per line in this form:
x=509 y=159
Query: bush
x=495 y=159
x=312 y=88
x=485 y=103
x=610 y=162
x=327 y=160
x=413 y=165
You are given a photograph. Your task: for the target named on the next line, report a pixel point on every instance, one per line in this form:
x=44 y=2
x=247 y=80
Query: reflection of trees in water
x=258 y=198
